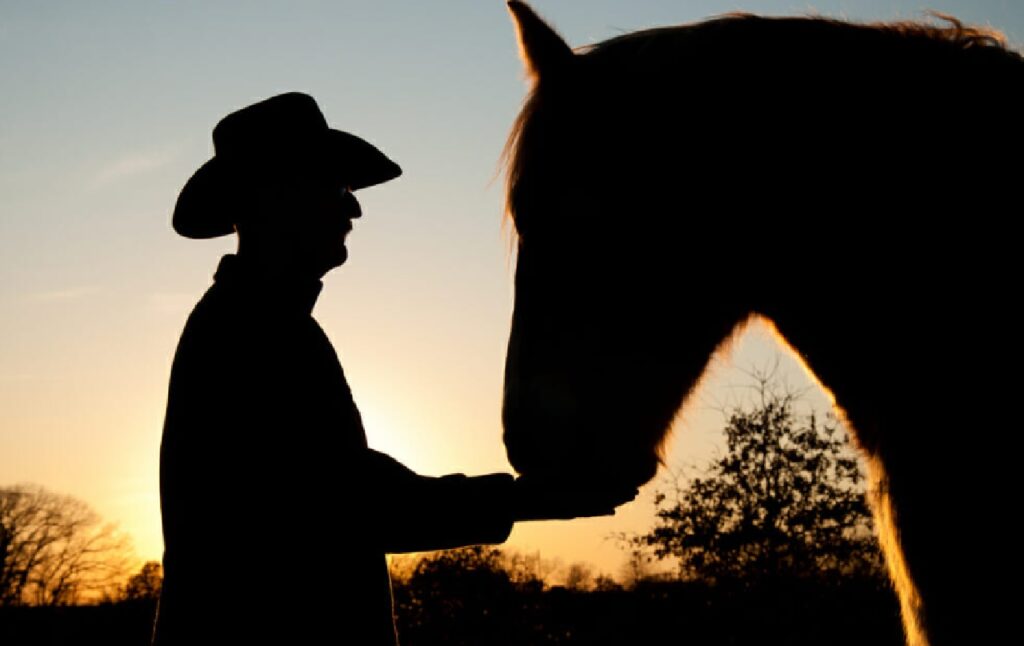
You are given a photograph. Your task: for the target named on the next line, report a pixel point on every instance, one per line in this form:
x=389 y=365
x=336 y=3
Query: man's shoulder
x=217 y=319
x=215 y=308
x=230 y=318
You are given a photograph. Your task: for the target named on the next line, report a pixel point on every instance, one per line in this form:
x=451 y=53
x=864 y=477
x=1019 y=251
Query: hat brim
x=209 y=203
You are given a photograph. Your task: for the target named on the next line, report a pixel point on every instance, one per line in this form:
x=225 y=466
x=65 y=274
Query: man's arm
x=407 y=512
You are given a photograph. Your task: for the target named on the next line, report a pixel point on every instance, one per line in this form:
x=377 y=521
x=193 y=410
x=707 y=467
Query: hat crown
x=291 y=121
x=281 y=138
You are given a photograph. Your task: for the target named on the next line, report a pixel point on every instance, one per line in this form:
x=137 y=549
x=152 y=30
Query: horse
x=848 y=185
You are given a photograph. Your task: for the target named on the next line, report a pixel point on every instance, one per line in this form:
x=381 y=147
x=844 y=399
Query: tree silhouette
x=580 y=577
x=146 y=583
x=785 y=500
x=460 y=596
x=55 y=550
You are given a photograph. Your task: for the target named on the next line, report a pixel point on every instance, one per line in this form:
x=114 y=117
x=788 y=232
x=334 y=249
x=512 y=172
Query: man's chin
x=339 y=258
x=325 y=263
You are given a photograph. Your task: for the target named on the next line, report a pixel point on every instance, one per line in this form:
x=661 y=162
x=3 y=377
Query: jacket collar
x=275 y=290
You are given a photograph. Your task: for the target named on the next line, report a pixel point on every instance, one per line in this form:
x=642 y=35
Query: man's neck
x=279 y=266
x=269 y=284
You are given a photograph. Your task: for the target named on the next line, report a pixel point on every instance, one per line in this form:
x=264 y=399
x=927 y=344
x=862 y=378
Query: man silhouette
x=276 y=514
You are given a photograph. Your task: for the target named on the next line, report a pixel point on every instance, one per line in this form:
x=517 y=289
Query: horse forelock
x=512 y=156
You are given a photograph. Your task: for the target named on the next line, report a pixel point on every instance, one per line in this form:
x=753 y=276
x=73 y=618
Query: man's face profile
x=306 y=220
x=327 y=211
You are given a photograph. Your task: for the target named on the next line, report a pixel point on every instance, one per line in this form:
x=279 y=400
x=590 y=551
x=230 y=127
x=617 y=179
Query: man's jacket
x=276 y=514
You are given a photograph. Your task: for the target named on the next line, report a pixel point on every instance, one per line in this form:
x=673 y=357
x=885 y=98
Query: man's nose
x=351 y=206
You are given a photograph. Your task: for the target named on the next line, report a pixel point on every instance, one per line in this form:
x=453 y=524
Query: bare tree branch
x=55 y=550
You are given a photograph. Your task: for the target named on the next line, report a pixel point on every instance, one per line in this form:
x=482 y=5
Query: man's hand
x=536 y=498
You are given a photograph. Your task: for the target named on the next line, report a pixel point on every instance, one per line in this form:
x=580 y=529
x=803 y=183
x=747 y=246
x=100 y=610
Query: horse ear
x=540 y=46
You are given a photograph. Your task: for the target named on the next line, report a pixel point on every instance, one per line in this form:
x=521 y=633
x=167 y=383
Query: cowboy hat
x=283 y=137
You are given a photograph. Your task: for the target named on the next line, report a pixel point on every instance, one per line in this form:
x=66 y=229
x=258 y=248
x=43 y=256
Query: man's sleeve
x=407 y=512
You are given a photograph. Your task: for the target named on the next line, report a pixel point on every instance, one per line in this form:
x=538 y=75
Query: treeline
x=483 y=595
x=486 y=596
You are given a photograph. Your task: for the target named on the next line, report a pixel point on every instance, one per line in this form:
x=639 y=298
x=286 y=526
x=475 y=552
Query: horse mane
x=661 y=44
x=954 y=32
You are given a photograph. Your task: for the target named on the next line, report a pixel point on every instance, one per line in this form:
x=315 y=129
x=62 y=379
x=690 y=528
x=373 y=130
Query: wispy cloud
x=133 y=165
x=66 y=295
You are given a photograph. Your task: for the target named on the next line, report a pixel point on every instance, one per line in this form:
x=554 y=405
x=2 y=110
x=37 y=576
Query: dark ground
x=797 y=613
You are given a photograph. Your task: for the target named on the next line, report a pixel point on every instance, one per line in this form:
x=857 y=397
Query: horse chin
x=617 y=472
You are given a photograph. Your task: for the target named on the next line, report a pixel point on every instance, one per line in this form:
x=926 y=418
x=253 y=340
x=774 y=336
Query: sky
x=108 y=108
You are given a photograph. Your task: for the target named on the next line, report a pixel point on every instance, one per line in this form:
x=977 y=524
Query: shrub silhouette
x=785 y=500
